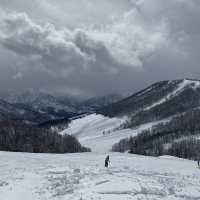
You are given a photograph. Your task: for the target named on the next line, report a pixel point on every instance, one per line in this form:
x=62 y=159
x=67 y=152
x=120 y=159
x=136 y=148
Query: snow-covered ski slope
x=100 y=133
x=83 y=177
x=181 y=87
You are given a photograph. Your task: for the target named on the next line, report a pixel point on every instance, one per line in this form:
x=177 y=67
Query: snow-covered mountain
x=158 y=101
x=42 y=103
x=55 y=106
x=96 y=103
x=14 y=112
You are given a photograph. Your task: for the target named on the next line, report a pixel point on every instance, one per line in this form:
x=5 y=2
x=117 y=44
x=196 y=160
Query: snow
x=93 y=122
x=185 y=83
x=196 y=85
x=100 y=133
x=145 y=91
x=83 y=176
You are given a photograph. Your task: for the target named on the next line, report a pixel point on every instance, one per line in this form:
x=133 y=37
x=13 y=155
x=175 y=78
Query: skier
x=107 y=160
x=198 y=162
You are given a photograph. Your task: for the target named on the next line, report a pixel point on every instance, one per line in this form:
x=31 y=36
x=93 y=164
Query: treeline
x=21 y=137
x=179 y=137
x=186 y=148
x=57 y=125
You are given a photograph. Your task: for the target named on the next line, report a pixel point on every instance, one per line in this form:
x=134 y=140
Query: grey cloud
x=42 y=44
x=137 y=44
x=64 y=50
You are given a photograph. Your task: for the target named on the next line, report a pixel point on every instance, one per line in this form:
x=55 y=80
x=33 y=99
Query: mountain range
x=158 y=101
x=39 y=107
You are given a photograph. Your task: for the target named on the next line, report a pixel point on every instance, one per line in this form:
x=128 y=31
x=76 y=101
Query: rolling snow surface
x=83 y=177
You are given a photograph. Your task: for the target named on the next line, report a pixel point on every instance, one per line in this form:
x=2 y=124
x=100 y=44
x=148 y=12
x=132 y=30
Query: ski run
x=83 y=177
x=100 y=133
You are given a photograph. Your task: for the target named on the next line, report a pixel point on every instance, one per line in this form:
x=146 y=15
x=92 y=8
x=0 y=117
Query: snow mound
x=83 y=177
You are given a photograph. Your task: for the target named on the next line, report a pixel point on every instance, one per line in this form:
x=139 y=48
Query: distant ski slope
x=100 y=133
x=184 y=84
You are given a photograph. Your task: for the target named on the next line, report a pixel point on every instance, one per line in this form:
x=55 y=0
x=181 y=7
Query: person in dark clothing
x=198 y=162
x=107 y=160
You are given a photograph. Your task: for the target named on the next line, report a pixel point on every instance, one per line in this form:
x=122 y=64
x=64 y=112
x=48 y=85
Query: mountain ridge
x=158 y=101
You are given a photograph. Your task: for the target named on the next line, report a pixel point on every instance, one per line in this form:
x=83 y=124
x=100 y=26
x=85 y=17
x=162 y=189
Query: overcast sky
x=97 y=47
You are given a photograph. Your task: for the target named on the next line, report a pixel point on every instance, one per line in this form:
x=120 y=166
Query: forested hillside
x=178 y=137
x=158 y=101
x=18 y=136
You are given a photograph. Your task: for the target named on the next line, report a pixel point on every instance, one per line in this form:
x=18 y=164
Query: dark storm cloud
x=102 y=49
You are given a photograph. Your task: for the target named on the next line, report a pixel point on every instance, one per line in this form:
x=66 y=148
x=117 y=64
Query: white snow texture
x=83 y=177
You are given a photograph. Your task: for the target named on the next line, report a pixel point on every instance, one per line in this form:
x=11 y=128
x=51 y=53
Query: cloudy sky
x=97 y=47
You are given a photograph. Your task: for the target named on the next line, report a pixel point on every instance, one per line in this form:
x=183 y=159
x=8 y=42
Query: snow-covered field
x=83 y=176
x=100 y=133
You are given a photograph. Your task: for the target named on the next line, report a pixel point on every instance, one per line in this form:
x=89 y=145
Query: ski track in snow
x=83 y=177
